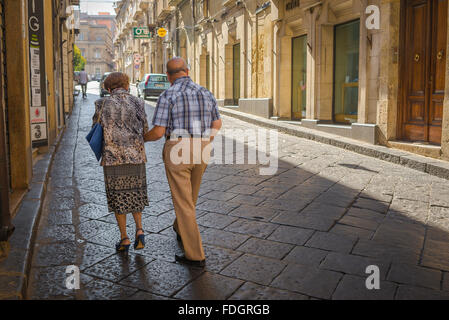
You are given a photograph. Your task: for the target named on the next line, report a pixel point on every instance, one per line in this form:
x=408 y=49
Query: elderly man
x=187 y=115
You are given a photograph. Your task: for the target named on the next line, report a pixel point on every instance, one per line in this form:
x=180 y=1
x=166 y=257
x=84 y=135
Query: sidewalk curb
x=14 y=269
x=435 y=167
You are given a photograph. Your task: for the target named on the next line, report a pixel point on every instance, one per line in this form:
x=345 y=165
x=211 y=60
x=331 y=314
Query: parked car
x=152 y=84
x=103 y=91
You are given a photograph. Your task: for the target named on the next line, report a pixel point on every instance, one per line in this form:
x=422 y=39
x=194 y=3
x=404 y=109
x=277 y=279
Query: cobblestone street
x=308 y=232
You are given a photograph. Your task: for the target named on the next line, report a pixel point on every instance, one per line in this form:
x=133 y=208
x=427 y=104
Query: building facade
x=36 y=90
x=95 y=43
x=372 y=70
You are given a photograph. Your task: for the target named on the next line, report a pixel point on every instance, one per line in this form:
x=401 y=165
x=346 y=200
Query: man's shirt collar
x=181 y=79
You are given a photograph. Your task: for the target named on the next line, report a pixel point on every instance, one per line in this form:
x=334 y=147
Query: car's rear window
x=158 y=78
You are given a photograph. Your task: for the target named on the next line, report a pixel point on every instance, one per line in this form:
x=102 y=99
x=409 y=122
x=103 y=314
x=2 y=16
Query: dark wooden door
x=424 y=65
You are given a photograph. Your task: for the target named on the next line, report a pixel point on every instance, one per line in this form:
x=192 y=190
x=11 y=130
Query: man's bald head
x=176 y=68
x=176 y=65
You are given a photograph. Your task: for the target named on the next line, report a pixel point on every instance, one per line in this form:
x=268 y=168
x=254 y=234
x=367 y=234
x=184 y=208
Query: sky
x=95 y=6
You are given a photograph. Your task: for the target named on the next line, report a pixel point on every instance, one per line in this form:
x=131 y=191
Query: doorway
x=299 y=77
x=423 y=68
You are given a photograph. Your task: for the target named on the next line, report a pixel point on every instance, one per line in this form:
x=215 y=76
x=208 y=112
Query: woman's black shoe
x=119 y=247
x=195 y=263
x=139 y=243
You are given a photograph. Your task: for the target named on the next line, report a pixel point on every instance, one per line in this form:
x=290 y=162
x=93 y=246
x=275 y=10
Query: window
x=158 y=79
x=99 y=38
x=299 y=77
x=346 y=75
x=97 y=53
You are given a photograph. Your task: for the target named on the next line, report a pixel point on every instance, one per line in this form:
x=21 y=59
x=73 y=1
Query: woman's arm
x=154 y=134
x=97 y=112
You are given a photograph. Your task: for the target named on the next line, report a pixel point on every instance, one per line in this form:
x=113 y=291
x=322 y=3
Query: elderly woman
x=124 y=123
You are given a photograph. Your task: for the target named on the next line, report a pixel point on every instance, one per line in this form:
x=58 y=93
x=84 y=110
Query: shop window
x=299 y=77
x=346 y=72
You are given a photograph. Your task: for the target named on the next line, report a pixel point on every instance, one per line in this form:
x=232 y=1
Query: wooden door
x=423 y=69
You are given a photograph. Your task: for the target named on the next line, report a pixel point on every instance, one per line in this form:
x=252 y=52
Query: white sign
x=36 y=97
x=35 y=80
x=35 y=58
x=38 y=115
x=38 y=131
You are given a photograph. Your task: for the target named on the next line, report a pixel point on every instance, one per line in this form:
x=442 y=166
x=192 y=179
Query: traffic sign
x=161 y=32
x=141 y=33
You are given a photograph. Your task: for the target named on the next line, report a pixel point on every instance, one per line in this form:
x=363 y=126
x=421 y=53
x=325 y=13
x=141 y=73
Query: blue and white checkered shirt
x=186 y=108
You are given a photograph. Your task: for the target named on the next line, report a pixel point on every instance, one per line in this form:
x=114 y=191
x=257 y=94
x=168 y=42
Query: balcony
x=144 y=4
x=173 y=3
x=165 y=12
x=228 y=3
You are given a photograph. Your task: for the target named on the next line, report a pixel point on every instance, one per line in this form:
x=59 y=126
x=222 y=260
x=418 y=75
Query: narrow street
x=308 y=232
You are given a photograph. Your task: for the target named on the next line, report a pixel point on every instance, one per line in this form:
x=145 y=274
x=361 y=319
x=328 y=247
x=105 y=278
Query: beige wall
x=17 y=68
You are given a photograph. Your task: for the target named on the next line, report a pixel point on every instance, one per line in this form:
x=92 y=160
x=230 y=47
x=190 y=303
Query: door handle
x=440 y=54
x=417 y=57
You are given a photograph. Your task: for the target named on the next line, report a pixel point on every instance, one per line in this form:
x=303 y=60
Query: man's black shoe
x=183 y=259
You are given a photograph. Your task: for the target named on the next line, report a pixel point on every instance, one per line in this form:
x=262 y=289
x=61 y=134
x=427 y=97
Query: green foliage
x=78 y=60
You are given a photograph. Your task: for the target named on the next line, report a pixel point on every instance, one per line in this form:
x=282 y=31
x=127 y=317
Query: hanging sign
x=161 y=32
x=141 y=33
x=38 y=85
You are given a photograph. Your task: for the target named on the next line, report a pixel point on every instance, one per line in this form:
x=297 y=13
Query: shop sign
x=141 y=33
x=38 y=81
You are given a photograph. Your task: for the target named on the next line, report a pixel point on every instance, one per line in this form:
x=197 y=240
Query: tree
x=78 y=60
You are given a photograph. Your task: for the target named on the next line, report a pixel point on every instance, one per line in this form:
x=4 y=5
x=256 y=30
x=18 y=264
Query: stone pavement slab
x=161 y=277
x=209 y=286
x=353 y=288
x=254 y=268
x=308 y=280
x=252 y=291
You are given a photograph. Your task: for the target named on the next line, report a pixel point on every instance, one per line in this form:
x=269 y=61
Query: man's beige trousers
x=185 y=162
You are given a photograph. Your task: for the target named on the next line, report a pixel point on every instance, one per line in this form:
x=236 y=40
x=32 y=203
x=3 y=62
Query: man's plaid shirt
x=192 y=109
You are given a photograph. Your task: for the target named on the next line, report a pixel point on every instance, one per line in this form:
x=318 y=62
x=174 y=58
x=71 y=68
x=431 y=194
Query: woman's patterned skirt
x=126 y=188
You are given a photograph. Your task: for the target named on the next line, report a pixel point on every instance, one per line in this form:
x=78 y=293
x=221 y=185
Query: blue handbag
x=95 y=138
